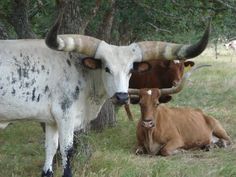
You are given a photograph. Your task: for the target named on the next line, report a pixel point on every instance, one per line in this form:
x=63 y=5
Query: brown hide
x=163 y=74
x=163 y=130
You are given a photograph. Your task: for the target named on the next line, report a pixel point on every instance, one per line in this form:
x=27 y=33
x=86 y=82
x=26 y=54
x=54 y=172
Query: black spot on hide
x=13 y=78
x=33 y=94
x=70 y=55
x=68 y=62
x=38 y=99
x=65 y=104
x=27 y=84
x=76 y=93
x=19 y=73
x=13 y=92
x=42 y=67
x=46 y=89
x=1 y=87
x=33 y=81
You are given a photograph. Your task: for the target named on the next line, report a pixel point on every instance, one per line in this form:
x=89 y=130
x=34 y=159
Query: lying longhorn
x=165 y=131
x=55 y=87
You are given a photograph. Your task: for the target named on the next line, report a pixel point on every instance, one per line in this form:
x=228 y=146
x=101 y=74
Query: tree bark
x=105 y=118
x=19 y=19
x=3 y=33
x=104 y=31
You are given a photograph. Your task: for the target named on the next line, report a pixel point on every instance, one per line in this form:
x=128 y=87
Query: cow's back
x=185 y=123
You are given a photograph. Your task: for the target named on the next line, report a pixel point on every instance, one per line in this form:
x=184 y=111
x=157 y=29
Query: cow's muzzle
x=120 y=98
x=148 y=124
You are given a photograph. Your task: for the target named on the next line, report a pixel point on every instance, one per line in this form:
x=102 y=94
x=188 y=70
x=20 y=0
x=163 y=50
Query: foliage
x=177 y=21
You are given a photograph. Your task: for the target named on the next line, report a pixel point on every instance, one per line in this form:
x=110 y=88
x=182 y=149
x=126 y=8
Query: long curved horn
x=83 y=44
x=171 y=51
x=133 y=91
x=179 y=87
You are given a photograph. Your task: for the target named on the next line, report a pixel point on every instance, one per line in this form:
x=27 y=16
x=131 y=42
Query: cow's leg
x=51 y=144
x=66 y=131
x=171 y=147
x=140 y=134
x=218 y=131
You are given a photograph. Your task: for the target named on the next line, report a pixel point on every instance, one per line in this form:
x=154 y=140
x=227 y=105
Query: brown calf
x=163 y=130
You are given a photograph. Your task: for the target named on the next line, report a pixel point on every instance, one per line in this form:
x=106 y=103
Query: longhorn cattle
x=163 y=74
x=54 y=87
x=165 y=131
x=231 y=44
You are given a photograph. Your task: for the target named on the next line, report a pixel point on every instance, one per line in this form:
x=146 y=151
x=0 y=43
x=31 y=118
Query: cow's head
x=171 y=71
x=118 y=62
x=148 y=99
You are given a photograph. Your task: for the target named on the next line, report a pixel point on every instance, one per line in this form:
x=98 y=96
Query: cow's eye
x=107 y=70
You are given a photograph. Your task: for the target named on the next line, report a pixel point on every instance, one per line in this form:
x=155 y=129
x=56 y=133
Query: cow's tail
x=218 y=131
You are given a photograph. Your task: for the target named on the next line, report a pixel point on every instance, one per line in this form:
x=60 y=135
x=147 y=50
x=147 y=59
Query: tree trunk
x=105 y=118
x=104 y=31
x=3 y=33
x=19 y=19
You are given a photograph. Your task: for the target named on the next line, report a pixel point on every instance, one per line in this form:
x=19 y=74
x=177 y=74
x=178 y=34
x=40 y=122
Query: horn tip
x=51 y=38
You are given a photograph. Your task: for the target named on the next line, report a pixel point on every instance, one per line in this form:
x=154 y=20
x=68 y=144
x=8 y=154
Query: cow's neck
x=95 y=94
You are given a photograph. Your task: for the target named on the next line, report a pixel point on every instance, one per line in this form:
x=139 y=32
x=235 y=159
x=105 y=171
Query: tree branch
x=226 y=5
x=85 y=21
x=159 y=29
x=104 y=30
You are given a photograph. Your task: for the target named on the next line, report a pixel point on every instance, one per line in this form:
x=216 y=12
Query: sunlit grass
x=212 y=89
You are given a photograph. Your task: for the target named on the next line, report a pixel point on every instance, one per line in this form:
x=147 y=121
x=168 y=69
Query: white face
x=117 y=65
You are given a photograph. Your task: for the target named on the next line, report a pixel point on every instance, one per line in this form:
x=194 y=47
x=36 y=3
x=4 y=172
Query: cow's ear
x=189 y=63
x=141 y=66
x=91 y=63
x=134 y=100
x=165 y=99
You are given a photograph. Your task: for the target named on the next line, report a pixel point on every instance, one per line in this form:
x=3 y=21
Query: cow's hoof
x=67 y=173
x=139 y=151
x=47 y=174
x=221 y=143
x=206 y=147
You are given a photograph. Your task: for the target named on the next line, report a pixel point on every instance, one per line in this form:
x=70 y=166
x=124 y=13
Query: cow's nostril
x=120 y=96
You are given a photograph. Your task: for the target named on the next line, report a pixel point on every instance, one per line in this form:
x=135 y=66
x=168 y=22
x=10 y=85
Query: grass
x=211 y=89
